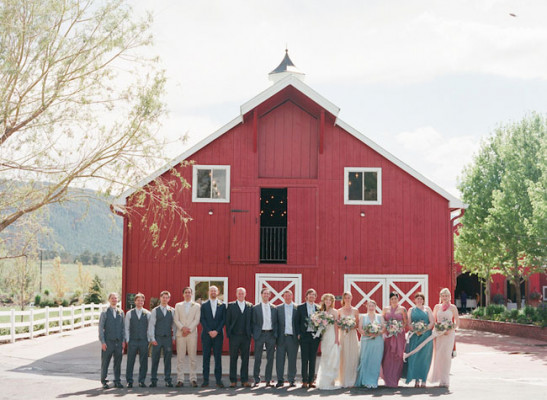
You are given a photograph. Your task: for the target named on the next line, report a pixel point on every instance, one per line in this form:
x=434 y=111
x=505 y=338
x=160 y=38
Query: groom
x=308 y=344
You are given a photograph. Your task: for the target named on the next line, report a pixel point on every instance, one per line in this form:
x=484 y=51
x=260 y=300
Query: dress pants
x=239 y=345
x=287 y=348
x=308 y=351
x=165 y=343
x=215 y=345
x=187 y=344
x=133 y=347
x=113 y=348
x=266 y=338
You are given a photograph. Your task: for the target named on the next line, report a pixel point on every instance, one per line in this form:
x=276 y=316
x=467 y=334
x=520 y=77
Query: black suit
x=263 y=337
x=238 y=330
x=287 y=344
x=308 y=344
x=210 y=323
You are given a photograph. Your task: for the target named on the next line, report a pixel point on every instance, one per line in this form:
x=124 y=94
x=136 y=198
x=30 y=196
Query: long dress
x=442 y=356
x=370 y=358
x=330 y=360
x=419 y=363
x=394 y=347
x=349 y=357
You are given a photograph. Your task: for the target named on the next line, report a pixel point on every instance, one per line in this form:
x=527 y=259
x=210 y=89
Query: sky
x=426 y=80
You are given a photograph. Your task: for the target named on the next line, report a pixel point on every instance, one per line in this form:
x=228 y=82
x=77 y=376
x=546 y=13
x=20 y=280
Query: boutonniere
x=248 y=304
x=219 y=302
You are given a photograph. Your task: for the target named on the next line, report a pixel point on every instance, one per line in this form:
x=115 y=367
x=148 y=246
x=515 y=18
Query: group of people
x=346 y=361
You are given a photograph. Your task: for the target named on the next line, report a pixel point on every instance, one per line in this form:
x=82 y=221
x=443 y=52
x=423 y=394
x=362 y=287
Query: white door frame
x=294 y=282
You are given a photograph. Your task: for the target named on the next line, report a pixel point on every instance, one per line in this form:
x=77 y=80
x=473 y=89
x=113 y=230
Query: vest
x=239 y=323
x=163 y=323
x=113 y=328
x=138 y=328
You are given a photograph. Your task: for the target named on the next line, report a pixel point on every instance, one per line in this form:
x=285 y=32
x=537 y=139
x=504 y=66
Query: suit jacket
x=281 y=323
x=303 y=317
x=257 y=319
x=208 y=322
x=233 y=312
x=188 y=319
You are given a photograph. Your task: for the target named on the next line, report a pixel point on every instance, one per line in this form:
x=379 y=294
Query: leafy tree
x=57 y=278
x=85 y=257
x=79 y=101
x=110 y=259
x=21 y=281
x=505 y=189
x=96 y=258
x=96 y=291
x=83 y=280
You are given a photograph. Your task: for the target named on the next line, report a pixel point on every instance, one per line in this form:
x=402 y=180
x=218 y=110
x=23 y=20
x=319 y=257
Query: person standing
x=349 y=344
x=238 y=330
x=287 y=339
x=213 y=318
x=160 y=334
x=419 y=363
x=372 y=348
x=187 y=314
x=264 y=326
x=330 y=347
x=111 y=335
x=136 y=336
x=308 y=343
x=394 y=344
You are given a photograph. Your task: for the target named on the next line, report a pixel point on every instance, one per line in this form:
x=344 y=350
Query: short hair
x=286 y=291
x=324 y=297
x=310 y=291
x=139 y=295
x=165 y=292
x=187 y=288
x=213 y=286
x=393 y=294
x=112 y=294
x=242 y=288
x=264 y=289
x=344 y=295
x=420 y=294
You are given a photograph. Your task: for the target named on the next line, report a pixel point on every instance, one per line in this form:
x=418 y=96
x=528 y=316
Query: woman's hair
x=348 y=293
x=372 y=301
x=420 y=294
x=393 y=294
x=323 y=298
x=444 y=291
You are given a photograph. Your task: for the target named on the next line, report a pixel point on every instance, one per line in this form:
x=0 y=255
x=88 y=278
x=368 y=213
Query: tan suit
x=187 y=344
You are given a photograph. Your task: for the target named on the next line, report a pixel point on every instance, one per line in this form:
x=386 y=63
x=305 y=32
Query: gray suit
x=263 y=337
x=111 y=333
x=287 y=344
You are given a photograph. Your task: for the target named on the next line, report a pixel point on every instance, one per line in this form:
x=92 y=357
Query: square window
x=200 y=287
x=211 y=183
x=363 y=186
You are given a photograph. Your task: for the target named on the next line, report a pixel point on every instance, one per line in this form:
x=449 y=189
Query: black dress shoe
x=153 y=384
x=205 y=384
x=141 y=384
x=292 y=384
x=255 y=384
x=269 y=384
x=168 y=384
x=118 y=385
x=105 y=386
x=279 y=384
x=220 y=385
x=194 y=384
x=130 y=385
x=179 y=384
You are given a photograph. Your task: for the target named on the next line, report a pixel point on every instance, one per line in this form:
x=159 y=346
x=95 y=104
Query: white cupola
x=286 y=68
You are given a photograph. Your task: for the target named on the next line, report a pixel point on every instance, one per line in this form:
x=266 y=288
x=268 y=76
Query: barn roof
x=277 y=87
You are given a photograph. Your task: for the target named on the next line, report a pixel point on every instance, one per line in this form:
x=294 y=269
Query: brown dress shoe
x=179 y=384
x=245 y=384
x=194 y=384
x=233 y=385
x=304 y=385
x=312 y=385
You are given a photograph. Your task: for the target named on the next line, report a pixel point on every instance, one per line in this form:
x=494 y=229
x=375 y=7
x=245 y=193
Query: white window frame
x=194 y=279
x=195 y=197
x=295 y=285
x=347 y=170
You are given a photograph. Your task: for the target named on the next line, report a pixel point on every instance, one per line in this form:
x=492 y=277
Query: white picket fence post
x=12 y=330
x=60 y=319
x=72 y=317
x=47 y=321
x=82 y=313
x=31 y=322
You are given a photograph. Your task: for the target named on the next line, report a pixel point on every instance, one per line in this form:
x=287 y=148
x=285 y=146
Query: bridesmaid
x=394 y=346
x=349 y=344
x=444 y=344
x=419 y=363
x=330 y=348
x=372 y=350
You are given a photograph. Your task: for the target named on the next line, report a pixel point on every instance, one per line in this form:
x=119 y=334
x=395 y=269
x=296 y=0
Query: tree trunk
x=516 y=279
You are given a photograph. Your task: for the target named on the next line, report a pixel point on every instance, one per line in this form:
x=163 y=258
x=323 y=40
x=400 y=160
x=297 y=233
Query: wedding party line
x=356 y=349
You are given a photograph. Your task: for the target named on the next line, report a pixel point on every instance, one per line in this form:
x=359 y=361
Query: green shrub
x=530 y=312
x=37 y=300
x=498 y=298
x=478 y=312
x=541 y=314
x=494 y=309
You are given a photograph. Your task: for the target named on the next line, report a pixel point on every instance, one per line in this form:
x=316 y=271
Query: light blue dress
x=370 y=361
x=419 y=363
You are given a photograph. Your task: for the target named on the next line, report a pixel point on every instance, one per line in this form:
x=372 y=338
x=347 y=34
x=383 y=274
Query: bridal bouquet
x=319 y=322
x=419 y=327
x=373 y=329
x=394 y=327
x=347 y=322
x=444 y=326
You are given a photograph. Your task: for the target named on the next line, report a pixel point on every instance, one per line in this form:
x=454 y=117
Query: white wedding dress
x=330 y=360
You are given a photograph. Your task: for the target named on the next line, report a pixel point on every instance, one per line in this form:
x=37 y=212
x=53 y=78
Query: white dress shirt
x=187 y=305
x=266 y=317
x=241 y=305
x=289 y=308
x=214 y=307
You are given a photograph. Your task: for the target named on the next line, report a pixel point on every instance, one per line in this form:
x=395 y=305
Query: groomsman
x=213 y=317
x=111 y=335
x=136 y=336
x=287 y=339
x=308 y=344
x=187 y=315
x=160 y=333
x=238 y=330
x=264 y=324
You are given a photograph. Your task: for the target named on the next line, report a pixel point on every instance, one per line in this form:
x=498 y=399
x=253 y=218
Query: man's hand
x=154 y=343
x=213 y=334
x=124 y=345
x=103 y=346
x=185 y=331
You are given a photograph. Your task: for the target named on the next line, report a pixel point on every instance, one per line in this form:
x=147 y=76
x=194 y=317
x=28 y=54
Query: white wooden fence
x=43 y=321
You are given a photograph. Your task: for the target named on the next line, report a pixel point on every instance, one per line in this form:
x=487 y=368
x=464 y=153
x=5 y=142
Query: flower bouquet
x=319 y=321
x=419 y=327
x=346 y=322
x=394 y=327
x=372 y=330
x=444 y=326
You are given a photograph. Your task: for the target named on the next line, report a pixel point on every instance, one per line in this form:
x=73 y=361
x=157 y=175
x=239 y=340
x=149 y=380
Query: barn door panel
x=278 y=283
x=244 y=226
x=302 y=226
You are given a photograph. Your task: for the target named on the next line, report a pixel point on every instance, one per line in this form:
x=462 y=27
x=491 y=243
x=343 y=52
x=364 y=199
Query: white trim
x=378 y=200
x=195 y=198
x=293 y=279
x=544 y=293
x=194 y=279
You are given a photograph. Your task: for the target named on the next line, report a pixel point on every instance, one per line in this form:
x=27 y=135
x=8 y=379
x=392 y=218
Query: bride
x=330 y=348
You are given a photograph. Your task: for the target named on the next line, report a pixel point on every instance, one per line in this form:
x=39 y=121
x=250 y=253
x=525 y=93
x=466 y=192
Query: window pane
x=220 y=286
x=371 y=186
x=219 y=184
x=355 y=185
x=202 y=290
x=204 y=183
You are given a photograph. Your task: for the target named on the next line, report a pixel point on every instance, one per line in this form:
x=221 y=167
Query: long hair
x=327 y=296
x=343 y=296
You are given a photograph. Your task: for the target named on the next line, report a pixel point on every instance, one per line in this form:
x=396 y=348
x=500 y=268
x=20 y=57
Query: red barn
x=287 y=195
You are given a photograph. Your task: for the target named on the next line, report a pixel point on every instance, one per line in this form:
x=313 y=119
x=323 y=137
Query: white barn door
x=278 y=283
